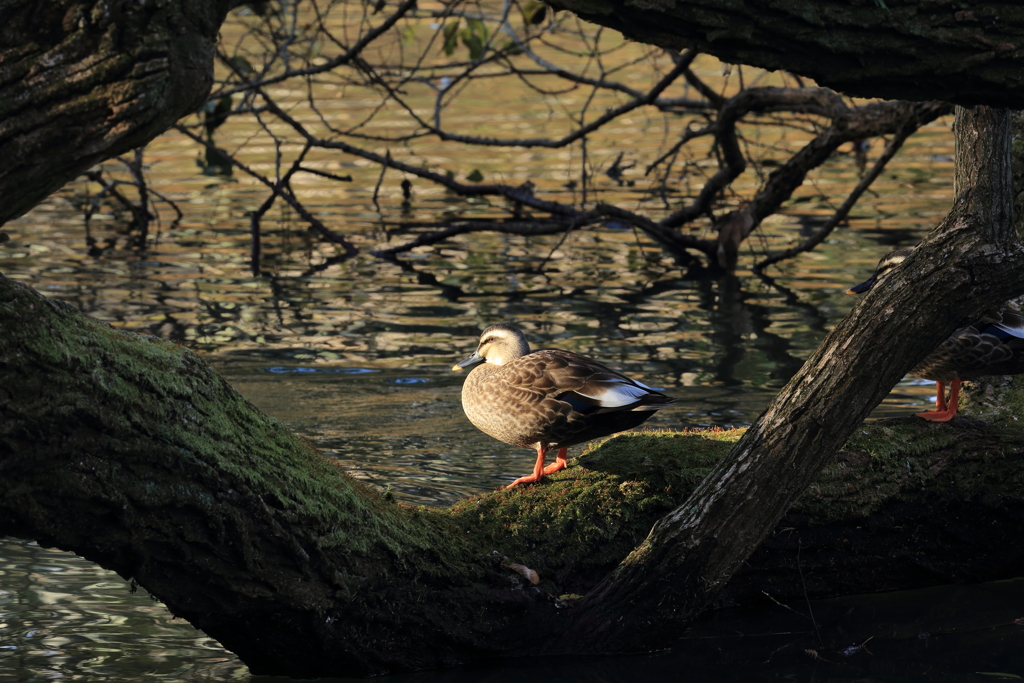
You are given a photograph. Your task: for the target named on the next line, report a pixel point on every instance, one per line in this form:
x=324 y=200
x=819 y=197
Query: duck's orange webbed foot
x=538 y=470
x=528 y=479
x=559 y=463
x=937 y=415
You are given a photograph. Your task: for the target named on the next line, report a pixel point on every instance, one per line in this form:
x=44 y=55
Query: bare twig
x=418 y=65
x=843 y=211
x=380 y=179
x=285 y=193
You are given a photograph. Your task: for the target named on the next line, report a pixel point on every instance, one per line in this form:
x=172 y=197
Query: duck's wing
x=588 y=386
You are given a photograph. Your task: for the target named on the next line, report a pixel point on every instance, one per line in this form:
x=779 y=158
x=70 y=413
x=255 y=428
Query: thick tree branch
x=252 y=537
x=82 y=81
x=963 y=52
x=846 y=124
x=843 y=211
x=163 y=473
x=900 y=118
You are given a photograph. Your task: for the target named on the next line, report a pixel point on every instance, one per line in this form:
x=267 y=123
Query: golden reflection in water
x=608 y=293
x=722 y=347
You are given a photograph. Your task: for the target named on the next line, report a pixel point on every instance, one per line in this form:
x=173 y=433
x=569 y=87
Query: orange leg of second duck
x=539 y=470
x=944 y=411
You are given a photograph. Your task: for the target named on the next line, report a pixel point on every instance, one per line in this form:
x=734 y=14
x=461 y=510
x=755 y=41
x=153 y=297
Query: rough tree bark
x=85 y=80
x=966 y=52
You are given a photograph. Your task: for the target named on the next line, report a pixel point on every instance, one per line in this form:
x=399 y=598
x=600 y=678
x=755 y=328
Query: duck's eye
x=890 y=264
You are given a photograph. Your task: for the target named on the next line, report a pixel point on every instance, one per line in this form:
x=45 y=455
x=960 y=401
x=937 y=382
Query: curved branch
x=847 y=125
x=508 y=227
x=514 y=193
x=840 y=214
x=806 y=100
x=674 y=242
x=350 y=55
x=610 y=115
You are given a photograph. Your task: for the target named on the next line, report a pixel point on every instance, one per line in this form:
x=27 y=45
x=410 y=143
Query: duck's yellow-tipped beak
x=456 y=368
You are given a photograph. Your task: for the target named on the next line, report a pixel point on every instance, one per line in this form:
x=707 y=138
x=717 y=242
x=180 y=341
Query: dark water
x=355 y=354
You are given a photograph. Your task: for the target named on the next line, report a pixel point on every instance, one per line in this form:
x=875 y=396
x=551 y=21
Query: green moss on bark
x=577 y=525
x=146 y=403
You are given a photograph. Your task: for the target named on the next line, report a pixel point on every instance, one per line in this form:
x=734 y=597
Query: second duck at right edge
x=991 y=345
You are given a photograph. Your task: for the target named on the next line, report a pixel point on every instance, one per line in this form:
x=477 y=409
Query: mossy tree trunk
x=131 y=452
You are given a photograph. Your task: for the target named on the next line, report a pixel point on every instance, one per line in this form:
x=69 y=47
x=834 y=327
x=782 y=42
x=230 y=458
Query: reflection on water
x=355 y=355
x=64 y=618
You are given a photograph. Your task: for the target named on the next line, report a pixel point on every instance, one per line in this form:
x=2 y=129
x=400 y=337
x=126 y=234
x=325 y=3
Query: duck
x=548 y=399
x=993 y=344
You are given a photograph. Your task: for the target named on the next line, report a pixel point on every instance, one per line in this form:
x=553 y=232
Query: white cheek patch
x=890 y=263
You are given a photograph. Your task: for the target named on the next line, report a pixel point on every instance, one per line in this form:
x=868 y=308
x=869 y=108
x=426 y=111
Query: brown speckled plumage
x=991 y=345
x=548 y=398
x=977 y=350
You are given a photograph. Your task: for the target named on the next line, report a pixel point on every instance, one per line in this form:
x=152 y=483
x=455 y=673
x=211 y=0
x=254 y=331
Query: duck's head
x=888 y=262
x=499 y=344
